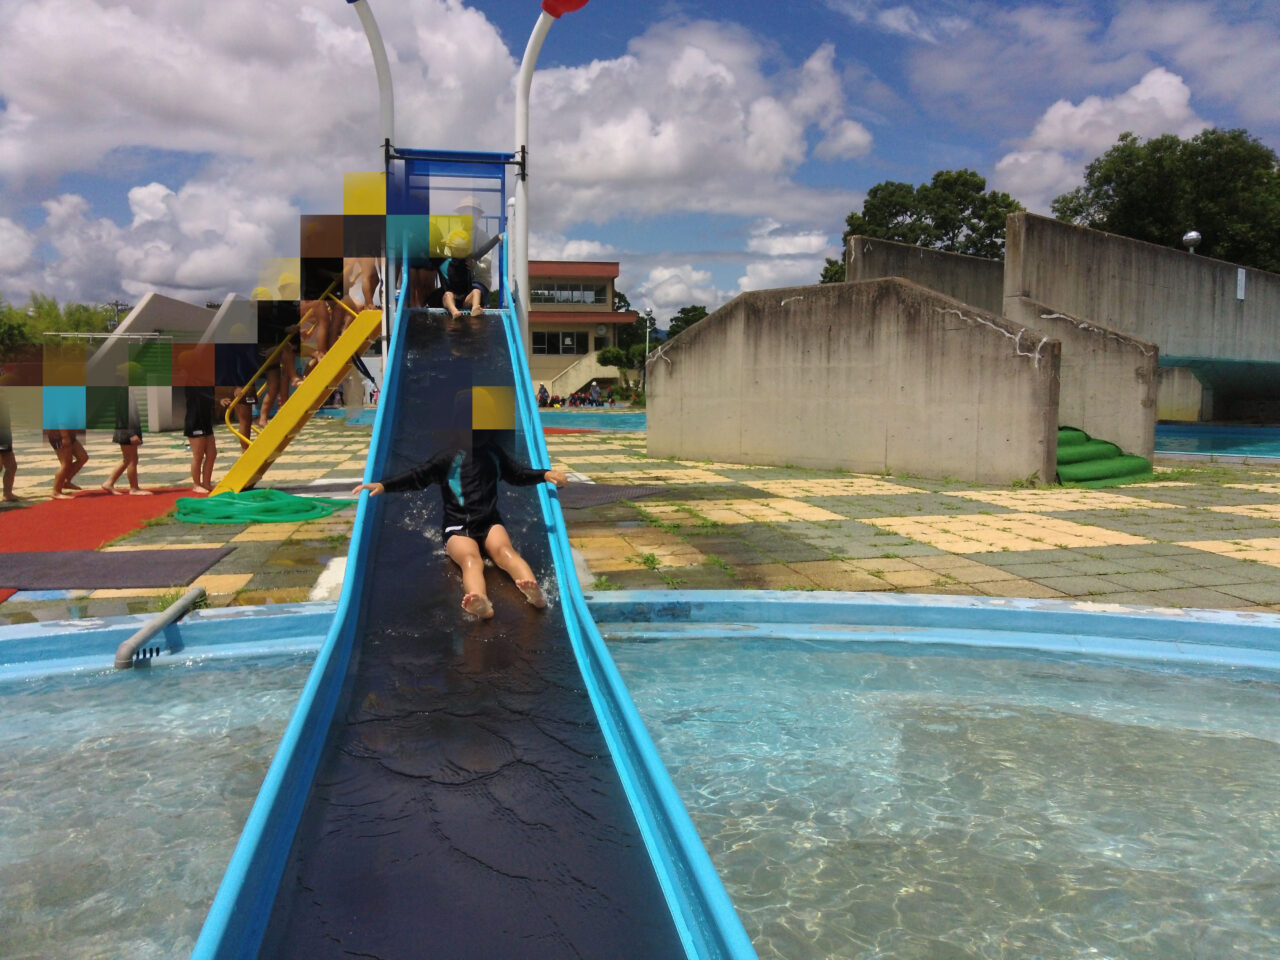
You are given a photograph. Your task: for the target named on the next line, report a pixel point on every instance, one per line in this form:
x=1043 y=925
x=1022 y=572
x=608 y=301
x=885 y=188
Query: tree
x=832 y=271
x=1224 y=184
x=685 y=318
x=953 y=212
x=630 y=334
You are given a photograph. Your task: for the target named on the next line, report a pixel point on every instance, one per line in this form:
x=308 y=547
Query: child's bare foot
x=454 y=314
x=111 y=489
x=11 y=498
x=532 y=592
x=71 y=486
x=138 y=492
x=477 y=310
x=196 y=488
x=64 y=496
x=478 y=605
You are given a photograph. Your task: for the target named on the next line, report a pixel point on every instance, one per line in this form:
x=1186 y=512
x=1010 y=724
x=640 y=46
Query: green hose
x=256 y=506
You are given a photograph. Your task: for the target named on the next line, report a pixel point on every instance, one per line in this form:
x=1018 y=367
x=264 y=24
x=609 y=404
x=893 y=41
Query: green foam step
x=1111 y=468
x=1089 y=450
x=1070 y=437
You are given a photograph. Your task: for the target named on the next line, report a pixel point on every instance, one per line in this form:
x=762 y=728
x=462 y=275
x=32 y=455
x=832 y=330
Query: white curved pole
x=520 y=248
x=386 y=99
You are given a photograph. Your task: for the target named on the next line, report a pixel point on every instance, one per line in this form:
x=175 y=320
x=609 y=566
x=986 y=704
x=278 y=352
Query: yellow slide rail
x=309 y=397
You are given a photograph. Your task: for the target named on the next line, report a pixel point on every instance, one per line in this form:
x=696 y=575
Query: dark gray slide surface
x=466 y=805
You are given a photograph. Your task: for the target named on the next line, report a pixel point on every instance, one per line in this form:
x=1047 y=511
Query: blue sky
x=709 y=146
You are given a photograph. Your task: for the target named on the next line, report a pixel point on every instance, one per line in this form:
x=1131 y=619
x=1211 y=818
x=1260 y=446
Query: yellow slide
x=305 y=401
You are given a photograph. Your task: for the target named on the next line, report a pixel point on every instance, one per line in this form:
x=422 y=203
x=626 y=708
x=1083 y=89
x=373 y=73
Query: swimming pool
x=123 y=792
x=1213 y=440
x=893 y=791
x=939 y=792
x=593 y=420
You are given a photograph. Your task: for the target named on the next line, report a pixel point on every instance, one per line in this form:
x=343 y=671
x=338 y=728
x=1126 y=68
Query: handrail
x=271 y=360
x=127 y=652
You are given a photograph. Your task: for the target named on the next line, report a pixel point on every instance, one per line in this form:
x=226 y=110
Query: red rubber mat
x=92 y=519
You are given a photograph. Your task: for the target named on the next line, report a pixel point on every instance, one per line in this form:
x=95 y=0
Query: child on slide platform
x=468 y=477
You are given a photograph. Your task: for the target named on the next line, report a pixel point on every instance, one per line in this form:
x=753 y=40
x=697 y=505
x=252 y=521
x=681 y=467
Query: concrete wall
x=875 y=377
x=1181 y=396
x=1109 y=380
x=1191 y=306
x=973 y=280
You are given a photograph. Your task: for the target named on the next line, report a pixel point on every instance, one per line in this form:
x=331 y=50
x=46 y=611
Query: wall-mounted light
x=1190 y=239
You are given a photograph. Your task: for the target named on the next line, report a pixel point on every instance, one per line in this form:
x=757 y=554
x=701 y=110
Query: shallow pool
x=593 y=420
x=122 y=795
x=1208 y=439
x=874 y=801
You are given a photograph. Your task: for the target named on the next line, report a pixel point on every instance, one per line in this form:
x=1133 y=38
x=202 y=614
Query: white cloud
x=767 y=239
x=555 y=247
x=690 y=119
x=1052 y=159
x=666 y=289
x=16 y=246
x=781 y=272
x=275 y=99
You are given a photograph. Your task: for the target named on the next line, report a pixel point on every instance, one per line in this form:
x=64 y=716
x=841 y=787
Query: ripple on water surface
x=122 y=796
x=871 y=805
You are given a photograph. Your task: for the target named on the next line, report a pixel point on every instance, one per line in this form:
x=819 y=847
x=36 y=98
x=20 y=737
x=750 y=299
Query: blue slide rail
x=242 y=906
x=708 y=924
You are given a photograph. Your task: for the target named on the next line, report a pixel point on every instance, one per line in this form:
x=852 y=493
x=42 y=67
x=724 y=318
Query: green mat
x=1086 y=462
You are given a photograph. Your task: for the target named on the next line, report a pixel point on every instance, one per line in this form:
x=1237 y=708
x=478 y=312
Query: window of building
x=569 y=291
x=557 y=342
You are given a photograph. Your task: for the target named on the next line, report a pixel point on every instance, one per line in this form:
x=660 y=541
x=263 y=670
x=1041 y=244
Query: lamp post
x=1190 y=239
x=644 y=371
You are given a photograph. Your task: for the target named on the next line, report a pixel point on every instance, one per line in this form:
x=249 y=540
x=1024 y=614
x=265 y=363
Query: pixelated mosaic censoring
x=78 y=381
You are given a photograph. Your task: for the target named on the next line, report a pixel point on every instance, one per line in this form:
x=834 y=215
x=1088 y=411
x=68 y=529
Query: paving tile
x=1009 y=531
x=266 y=531
x=1260 y=550
x=1144 y=581
x=1018 y=588
x=838 y=575
x=838 y=487
x=1074 y=586
x=1262 y=593
x=222 y=583
x=1058 y=500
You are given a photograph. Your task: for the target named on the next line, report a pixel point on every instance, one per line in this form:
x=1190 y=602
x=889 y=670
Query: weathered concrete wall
x=1109 y=380
x=972 y=280
x=1190 y=306
x=874 y=377
x=1181 y=396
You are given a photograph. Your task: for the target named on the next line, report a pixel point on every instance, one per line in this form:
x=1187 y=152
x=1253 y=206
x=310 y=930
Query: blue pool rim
x=1165 y=634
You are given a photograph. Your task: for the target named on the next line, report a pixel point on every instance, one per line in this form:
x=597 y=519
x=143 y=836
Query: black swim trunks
x=199 y=418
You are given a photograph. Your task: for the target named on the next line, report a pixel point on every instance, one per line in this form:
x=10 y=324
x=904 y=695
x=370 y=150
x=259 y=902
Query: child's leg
x=465 y=552
x=474 y=302
x=131 y=468
x=450 y=304
x=498 y=545
x=79 y=457
x=60 y=478
x=210 y=455
x=9 y=463
x=199 y=452
x=110 y=483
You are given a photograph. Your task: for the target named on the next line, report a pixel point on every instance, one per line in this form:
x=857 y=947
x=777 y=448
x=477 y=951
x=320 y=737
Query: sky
x=711 y=147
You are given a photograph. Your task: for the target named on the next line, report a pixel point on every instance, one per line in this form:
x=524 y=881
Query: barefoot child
x=128 y=435
x=468 y=480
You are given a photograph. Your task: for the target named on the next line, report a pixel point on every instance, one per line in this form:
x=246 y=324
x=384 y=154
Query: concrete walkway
x=1202 y=535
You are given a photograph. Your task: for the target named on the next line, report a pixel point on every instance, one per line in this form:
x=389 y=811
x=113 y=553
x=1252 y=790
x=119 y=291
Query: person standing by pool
x=72 y=457
x=468 y=476
x=198 y=429
x=128 y=435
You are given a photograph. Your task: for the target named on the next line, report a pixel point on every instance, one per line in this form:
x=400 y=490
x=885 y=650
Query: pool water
x=894 y=803
x=593 y=420
x=122 y=795
x=1209 y=439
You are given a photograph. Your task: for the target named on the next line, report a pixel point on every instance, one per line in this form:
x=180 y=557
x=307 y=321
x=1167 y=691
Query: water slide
x=458 y=788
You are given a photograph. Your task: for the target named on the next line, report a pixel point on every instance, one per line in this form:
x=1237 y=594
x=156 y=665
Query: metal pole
x=386 y=98
x=551 y=10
